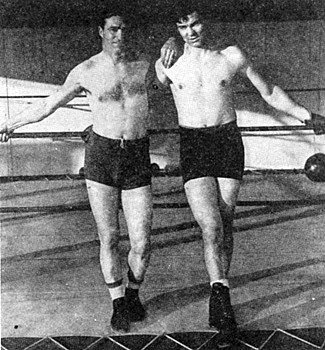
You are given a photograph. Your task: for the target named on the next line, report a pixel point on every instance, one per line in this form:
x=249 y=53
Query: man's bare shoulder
x=234 y=53
x=78 y=73
x=89 y=64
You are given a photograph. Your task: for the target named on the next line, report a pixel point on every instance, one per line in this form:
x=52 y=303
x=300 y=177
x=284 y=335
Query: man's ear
x=100 y=31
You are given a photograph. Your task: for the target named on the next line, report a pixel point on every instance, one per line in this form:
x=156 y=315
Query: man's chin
x=195 y=43
x=120 y=49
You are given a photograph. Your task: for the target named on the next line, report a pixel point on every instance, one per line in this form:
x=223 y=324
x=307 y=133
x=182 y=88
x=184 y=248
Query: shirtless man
x=211 y=148
x=117 y=156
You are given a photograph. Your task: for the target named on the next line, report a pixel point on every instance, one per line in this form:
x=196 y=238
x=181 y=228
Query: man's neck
x=194 y=50
x=207 y=45
x=115 y=54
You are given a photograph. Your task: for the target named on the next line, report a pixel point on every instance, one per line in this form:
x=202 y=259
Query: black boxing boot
x=221 y=315
x=136 y=310
x=120 y=319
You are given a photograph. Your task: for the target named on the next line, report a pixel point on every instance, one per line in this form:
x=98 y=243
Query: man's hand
x=169 y=53
x=4 y=133
x=317 y=122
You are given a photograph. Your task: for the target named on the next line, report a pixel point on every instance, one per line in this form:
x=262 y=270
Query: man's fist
x=4 y=133
x=317 y=122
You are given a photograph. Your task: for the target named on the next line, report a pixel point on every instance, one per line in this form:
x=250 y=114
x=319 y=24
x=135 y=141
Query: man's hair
x=185 y=8
x=128 y=15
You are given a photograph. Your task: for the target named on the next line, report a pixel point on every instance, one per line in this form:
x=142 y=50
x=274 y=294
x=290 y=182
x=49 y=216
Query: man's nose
x=119 y=34
x=190 y=31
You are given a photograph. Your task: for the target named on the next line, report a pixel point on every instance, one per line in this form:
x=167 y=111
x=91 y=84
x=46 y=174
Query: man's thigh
x=228 y=192
x=104 y=202
x=202 y=195
x=137 y=208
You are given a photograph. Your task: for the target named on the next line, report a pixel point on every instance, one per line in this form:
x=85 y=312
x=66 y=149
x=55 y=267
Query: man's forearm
x=160 y=74
x=37 y=112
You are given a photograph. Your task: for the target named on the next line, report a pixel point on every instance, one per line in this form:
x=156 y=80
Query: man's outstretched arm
x=279 y=99
x=43 y=108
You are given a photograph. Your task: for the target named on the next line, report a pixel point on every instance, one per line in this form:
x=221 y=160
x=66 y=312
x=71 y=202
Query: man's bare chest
x=118 y=82
x=192 y=74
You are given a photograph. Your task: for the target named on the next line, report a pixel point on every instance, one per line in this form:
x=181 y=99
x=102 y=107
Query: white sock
x=223 y=281
x=117 y=292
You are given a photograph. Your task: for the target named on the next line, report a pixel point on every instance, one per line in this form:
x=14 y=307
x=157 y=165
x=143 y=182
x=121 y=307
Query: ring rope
x=247 y=92
x=73 y=134
x=180 y=205
x=174 y=172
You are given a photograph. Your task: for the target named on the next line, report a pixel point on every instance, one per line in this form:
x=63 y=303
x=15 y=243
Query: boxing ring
x=54 y=297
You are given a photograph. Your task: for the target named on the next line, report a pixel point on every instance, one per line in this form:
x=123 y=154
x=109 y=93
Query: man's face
x=192 y=30
x=113 y=33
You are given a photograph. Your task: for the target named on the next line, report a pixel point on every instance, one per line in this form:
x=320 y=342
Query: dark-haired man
x=117 y=162
x=211 y=148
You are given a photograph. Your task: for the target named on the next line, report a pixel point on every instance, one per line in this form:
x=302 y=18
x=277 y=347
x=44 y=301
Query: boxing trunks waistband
x=209 y=129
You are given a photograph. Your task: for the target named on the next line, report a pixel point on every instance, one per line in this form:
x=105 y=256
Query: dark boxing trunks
x=216 y=151
x=124 y=164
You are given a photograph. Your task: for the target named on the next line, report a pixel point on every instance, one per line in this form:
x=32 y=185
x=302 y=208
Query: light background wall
x=34 y=61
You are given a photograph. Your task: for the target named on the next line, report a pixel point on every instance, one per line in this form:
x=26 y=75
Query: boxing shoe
x=136 y=310
x=120 y=319
x=221 y=315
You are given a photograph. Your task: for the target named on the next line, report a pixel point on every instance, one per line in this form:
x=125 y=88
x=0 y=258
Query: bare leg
x=228 y=194
x=104 y=202
x=202 y=195
x=137 y=206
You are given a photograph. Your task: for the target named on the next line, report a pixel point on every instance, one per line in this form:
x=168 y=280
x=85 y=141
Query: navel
x=223 y=83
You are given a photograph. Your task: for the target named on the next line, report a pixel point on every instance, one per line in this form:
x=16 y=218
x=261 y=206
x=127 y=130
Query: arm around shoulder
x=162 y=79
x=170 y=52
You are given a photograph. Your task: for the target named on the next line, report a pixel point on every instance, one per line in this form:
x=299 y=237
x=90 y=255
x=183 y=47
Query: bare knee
x=212 y=232
x=109 y=241
x=141 y=246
